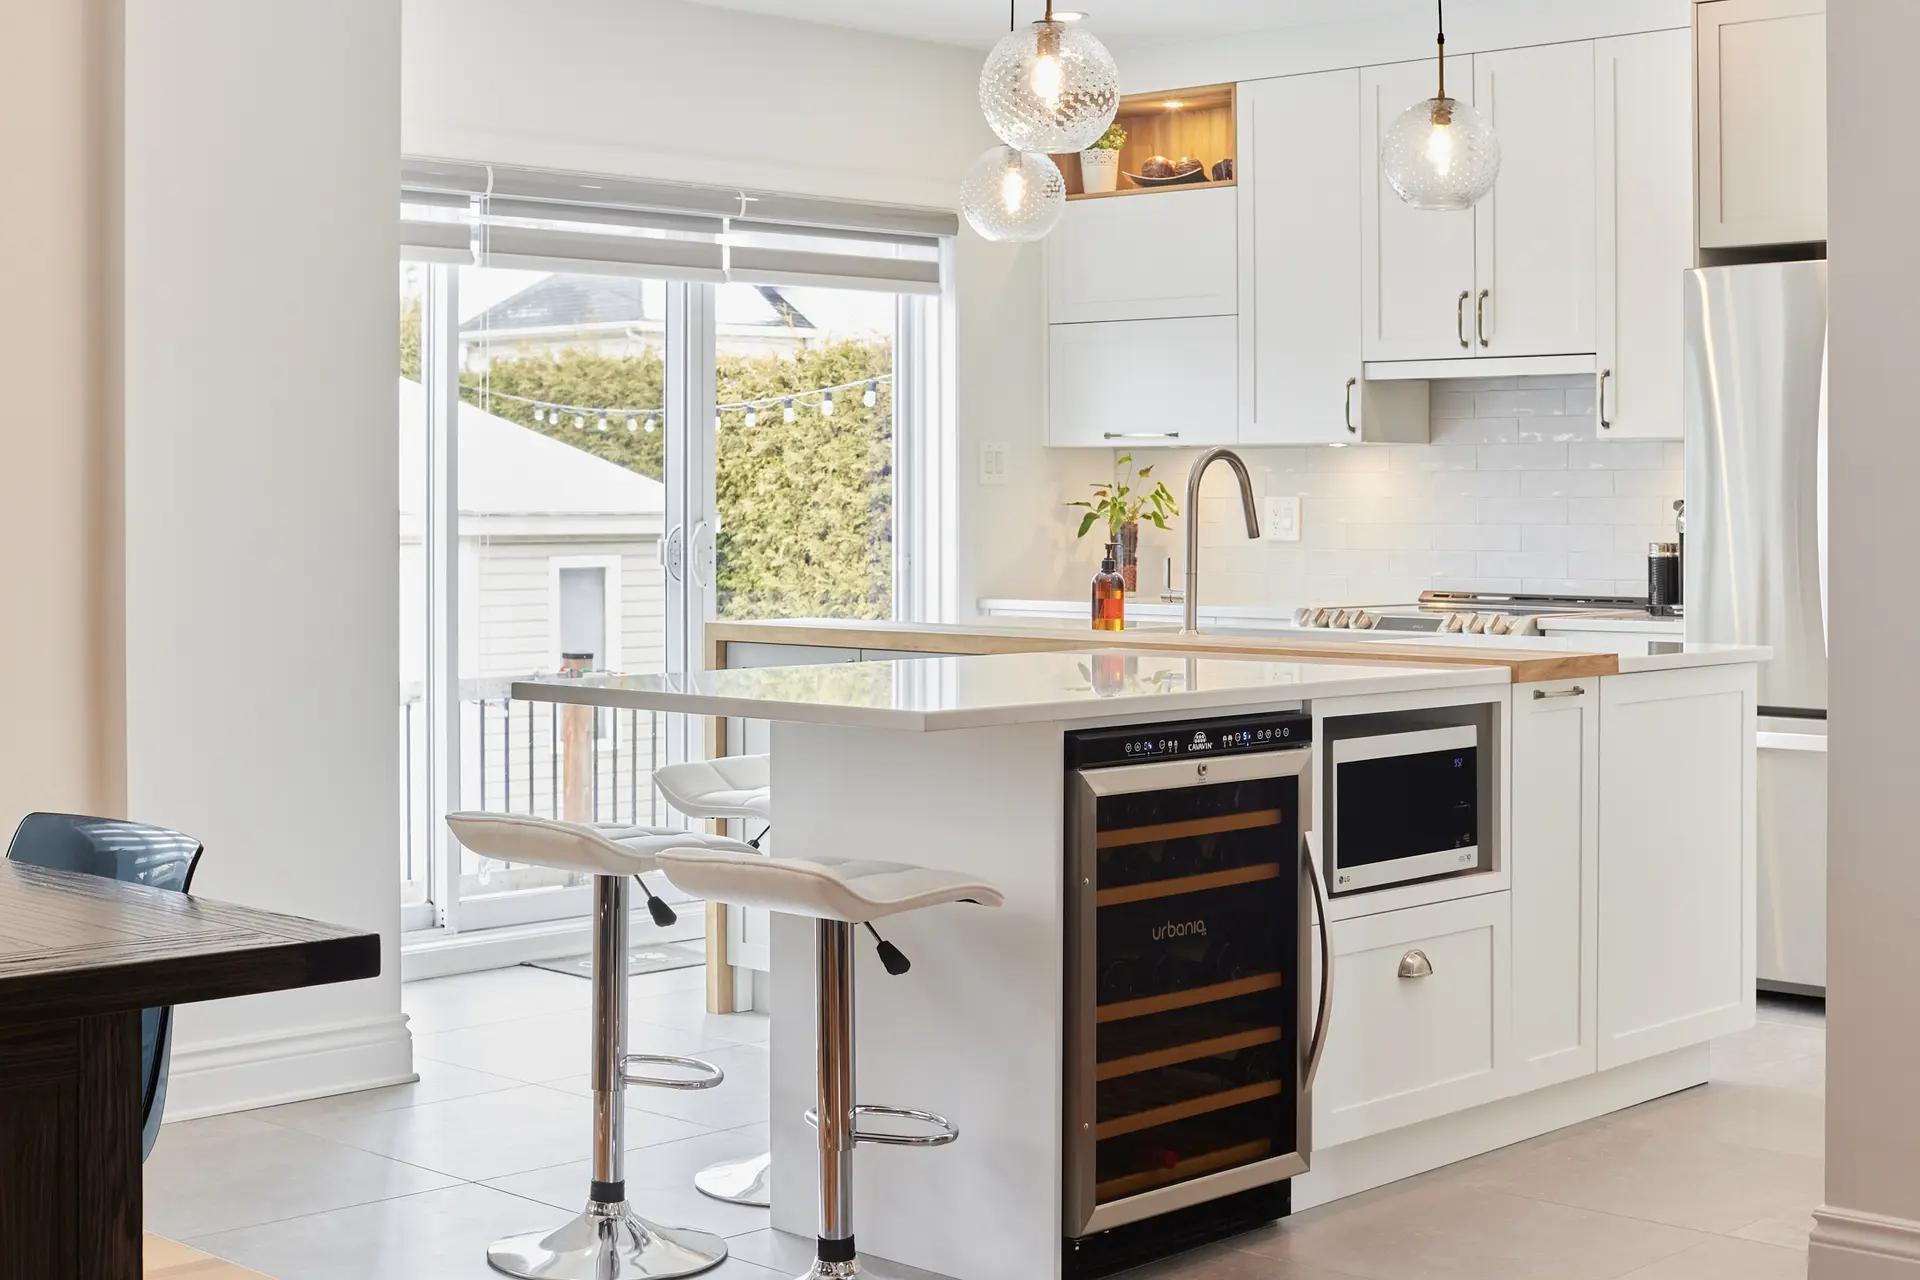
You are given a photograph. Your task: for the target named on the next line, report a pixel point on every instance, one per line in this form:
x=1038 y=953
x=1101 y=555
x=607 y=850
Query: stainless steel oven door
x=1089 y=1205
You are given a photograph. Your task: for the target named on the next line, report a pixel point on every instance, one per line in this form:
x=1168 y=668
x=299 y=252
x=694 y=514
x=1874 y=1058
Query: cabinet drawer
x=1139 y=383
x=1173 y=255
x=1406 y=1049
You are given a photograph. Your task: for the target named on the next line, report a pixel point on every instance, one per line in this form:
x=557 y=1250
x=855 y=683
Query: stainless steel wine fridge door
x=1188 y=1017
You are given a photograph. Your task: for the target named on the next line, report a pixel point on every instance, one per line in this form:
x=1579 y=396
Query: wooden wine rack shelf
x=1246 y=821
x=1173 y=1055
x=1187 y=884
x=1132 y=1184
x=1187 y=1109
x=1123 y=1009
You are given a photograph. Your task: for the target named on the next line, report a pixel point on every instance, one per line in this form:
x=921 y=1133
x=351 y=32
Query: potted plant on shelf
x=1100 y=163
x=1121 y=503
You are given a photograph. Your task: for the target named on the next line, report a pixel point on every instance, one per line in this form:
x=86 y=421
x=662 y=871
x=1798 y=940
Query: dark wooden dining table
x=80 y=957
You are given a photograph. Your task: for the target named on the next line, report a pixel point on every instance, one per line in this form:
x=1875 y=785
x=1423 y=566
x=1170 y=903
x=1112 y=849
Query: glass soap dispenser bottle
x=1109 y=594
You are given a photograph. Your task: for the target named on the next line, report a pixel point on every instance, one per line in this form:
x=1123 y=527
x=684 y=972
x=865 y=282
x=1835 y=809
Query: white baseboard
x=289 y=1066
x=1374 y=1161
x=1849 y=1244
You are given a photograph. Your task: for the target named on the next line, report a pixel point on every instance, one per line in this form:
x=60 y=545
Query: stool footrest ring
x=944 y=1130
x=707 y=1074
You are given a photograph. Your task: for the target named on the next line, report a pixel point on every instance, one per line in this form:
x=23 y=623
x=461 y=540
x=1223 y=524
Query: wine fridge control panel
x=1224 y=735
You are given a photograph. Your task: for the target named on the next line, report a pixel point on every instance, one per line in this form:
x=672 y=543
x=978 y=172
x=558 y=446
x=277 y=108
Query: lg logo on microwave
x=1180 y=929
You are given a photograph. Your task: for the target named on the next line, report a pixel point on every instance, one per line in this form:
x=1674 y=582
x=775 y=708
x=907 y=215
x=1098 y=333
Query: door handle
x=1415 y=964
x=1460 y=318
x=1480 y=316
x=1573 y=691
x=1324 y=1016
x=673 y=553
x=1604 y=424
x=701 y=550
x=1346 y=404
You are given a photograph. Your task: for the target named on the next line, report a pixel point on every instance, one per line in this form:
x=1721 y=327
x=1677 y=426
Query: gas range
x=1464 y=612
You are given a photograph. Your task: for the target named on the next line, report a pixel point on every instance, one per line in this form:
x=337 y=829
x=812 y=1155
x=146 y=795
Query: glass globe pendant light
x=1440 y=153
x=1052 y=87
x=1012 y=195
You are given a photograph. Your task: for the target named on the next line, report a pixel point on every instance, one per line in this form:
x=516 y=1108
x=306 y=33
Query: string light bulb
x=826 y=405
x=786 y=411
x=871 y=394
x=579 y=422
x=632 y=426
x=752 y=417
x=603 y=424
x=653 y=424
x=539 y=414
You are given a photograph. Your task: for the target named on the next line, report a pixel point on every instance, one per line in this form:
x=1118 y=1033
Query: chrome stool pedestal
x=737 y=1181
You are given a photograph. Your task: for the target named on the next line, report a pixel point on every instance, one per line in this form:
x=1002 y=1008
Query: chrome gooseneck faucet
x=1200 y=465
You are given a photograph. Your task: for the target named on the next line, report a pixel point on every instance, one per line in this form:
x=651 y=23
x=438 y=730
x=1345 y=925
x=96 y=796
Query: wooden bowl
x=1177 y=180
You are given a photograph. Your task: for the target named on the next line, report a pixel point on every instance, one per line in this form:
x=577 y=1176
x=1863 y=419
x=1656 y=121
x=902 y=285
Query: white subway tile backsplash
x=1513 y=492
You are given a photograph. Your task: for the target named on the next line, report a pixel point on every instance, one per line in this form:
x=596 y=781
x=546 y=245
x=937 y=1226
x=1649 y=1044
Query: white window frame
x=610 y=644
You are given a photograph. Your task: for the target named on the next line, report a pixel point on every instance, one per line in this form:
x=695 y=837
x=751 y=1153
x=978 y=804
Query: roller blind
x=493 y=215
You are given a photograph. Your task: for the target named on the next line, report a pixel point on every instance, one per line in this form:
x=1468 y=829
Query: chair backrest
x=136 y=853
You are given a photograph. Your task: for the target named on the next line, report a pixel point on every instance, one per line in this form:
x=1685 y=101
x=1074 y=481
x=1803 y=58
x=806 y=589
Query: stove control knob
x=1477 y=623
x=1323 y=617
x=1525 y=627
x=1499 y=625
x=1364 y=621
x=1453 y=623
x=1303 y=617
x=1342 y=618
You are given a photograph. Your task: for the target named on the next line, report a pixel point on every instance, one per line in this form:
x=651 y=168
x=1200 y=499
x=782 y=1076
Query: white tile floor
x=410 y=1183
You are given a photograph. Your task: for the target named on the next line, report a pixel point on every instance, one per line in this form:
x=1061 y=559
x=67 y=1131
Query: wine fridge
x=1191 y=1039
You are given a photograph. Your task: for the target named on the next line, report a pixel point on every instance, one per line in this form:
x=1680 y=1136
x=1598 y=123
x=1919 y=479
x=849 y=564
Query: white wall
x=59 y=482
x=664 y=89
x=1512 y=493
x=1873 y=877
x=261 y=595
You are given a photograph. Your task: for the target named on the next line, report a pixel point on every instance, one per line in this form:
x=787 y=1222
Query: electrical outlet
x=1282 y=519
x=993 y=462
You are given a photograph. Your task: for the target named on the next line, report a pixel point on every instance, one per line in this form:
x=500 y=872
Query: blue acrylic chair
x=138 y=854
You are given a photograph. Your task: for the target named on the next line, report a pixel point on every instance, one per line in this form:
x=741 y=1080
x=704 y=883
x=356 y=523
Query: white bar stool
x=727 y=787
x=607 y=1240
x=838 y=893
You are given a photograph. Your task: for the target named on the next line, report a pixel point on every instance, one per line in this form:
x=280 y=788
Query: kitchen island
x=1603 y=937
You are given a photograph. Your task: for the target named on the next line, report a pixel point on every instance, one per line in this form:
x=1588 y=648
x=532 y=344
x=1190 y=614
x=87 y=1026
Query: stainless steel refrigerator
x=1756 y=565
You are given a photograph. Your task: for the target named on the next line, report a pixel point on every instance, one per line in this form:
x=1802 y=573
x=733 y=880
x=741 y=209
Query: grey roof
x=562 y=301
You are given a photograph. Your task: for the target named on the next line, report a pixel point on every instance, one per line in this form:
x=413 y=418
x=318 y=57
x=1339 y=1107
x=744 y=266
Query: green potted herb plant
x=1100 y=163
x=1121 y=503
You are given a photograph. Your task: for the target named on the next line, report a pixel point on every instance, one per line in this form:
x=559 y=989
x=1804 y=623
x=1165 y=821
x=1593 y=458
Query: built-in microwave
x=1403 y=807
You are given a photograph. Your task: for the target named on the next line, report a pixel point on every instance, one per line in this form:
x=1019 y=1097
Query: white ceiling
x=981 y=22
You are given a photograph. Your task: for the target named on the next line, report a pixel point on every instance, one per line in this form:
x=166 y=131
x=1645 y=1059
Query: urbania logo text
x=1182 y=929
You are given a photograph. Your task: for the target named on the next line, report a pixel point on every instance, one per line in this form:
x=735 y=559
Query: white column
x=1869 y=1228
x=261 y=497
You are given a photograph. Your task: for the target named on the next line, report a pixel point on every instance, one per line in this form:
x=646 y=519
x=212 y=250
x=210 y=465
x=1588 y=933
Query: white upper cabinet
x=1534 y=247
x=1644 y=217
x=1762 y=116
x=1300 y=361
x=1134 y=383
x=1417 y=276
x=1144 y=258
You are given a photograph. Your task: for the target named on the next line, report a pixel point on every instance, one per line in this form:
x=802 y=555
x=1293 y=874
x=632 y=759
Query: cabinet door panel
x=1144 y=258
x=1415 y=263
x=1556 y=831
x=1676 y=859
x=1534 y=247
x=1143 y=382
x=1762 y=81
x=1644 y=230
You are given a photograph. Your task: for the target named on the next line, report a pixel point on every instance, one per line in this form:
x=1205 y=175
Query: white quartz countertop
x=920 y=694
x=1628 y=624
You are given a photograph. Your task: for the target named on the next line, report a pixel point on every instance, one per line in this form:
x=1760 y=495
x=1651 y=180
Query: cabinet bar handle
x=1480 y=317
x=1574 y=692
x=1346 y=404
x=1460 y=318
x=1139 y=435
x=1605 y=425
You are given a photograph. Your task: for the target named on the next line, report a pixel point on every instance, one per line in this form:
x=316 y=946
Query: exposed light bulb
x=1440 y=147
x=826 y=405
x=1048 y=80
x=871 y=394
x=752 y=417
x=653 y=424
x=716 y=420
x=1013 y=186
x=578 y=422
x=633 y=425
x=786 y=412
x=603 y=424
x=539 y=415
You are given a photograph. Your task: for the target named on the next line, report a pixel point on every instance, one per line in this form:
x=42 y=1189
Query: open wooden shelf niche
x=1202 y=126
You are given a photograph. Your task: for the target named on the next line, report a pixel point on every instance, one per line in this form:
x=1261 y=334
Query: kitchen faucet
x=1205 y=460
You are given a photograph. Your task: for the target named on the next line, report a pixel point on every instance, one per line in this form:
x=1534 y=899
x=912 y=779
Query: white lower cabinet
x=1677 y=843
x=1552 y=857
x=1129 y=383
x=1420 y=1017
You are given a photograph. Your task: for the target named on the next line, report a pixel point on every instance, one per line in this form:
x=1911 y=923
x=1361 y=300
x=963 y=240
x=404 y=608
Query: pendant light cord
x=1440 y=41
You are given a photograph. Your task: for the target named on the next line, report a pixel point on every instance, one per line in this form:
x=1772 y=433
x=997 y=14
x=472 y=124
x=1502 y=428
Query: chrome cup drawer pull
x=1415 y=964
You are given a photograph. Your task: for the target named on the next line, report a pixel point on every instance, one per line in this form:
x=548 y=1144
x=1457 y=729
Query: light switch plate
x=993 y=462
x=1281 y=522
